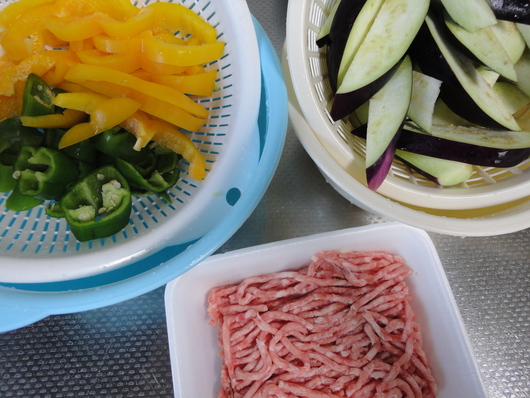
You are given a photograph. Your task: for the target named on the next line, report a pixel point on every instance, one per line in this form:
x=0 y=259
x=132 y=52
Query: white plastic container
x=193 y=343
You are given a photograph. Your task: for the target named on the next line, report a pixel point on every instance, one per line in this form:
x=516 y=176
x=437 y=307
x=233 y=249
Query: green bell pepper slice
x=99 y=205
x=18 y=202
x=37 y=98
x=162 y=178
x=43 y=172
x=119 y=143
x=13 y=136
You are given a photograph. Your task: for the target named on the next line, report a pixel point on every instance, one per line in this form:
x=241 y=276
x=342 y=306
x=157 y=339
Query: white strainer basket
x=487 y=186
x=35 y=248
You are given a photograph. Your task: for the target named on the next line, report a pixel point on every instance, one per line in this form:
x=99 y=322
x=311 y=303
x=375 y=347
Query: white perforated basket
x=35 y=248
x=486 y=188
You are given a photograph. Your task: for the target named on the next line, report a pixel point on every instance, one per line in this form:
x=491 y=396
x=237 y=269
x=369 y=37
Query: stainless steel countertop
x=122 y=350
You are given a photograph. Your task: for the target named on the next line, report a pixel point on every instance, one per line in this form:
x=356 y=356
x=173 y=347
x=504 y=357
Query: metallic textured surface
x=122 y=350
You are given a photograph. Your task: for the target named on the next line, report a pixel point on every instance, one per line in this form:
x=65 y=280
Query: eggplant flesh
x=341 y=25
x=511 y=10
x=443 y=172
x=497 y=154
x=455 y=72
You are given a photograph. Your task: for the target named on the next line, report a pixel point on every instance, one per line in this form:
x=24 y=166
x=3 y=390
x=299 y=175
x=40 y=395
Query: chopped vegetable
x=99 y=205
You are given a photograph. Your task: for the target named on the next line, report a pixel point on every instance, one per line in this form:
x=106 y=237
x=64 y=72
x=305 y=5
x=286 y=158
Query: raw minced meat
x=340 y=327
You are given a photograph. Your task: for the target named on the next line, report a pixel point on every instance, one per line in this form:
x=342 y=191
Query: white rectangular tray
x=193 y=343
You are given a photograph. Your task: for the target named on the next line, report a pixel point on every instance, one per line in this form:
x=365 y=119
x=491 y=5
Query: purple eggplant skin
x=345 y=16
x=428 y=145
x=511 y=10
x=346 y=103
x=377 y=172
x=426 y=54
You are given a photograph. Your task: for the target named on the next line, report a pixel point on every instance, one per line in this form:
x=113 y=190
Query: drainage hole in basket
x=232 y=196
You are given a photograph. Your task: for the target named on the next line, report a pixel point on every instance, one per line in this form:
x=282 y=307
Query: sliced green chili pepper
x=13 y=136
x=18 y=202
x=37 y=99
x=44 y=172
x=84 y=151
x=99 y=205
x=119 y=143
x=163 y=177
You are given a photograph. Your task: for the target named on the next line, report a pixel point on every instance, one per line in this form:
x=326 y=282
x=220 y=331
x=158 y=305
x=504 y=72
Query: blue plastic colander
x=25 y=303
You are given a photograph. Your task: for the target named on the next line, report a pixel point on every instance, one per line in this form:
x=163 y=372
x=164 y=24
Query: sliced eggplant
x=471 y=145
x=425 y=92
x=484 y=45
x=511 y=10
x=511 y=38
x=345 y=16
x=360 y=28
x=378 y=56
x=464 y=90
x=323 y=34
x=525 y=31
x=443 y=116
x=490 y=76
x=386 y=114
x=511 y=96
x=443 y=172
x=523 y=73
x=472 y=15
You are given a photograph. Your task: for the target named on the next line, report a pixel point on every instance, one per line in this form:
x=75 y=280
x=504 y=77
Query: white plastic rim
x=37 y=249
x=508 y=218
x=487 y=187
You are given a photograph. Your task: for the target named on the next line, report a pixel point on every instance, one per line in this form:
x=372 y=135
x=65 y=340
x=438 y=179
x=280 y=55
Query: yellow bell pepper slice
x=153 y=106
x=165 y=52
x=126 y=62
x=80 y=73
x=67 y=119
x=117 y=46
x=17 y=8
x=104 y=115
x=7 y=106
x=75 y=28
x=160 y=68
x=63 y=61
x=130 y=27
x=178 y=18
x=83 y=101
x=36 y=63
x=166 y=134
x=202 y=84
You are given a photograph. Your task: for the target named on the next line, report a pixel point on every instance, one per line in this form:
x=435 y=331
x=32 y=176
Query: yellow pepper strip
x=159 y=50
x=197 y=84
x=159 y=68
x=126 y=62
x=103 y=116
x=81 y=45
x=13 y=10
x=24 y=36
x=7 y=106
x=84 y=102
x=77 y=133
x=63 y=61
x=75 y=28
x=67 y=119
x=178 y=18
x=117 y=9
x=166 y=134
x=36 y=63
x=53 y=41
x=130 y=27
x=169 y=37
x=80 y=73
x=117 y=46
x=153 y=106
